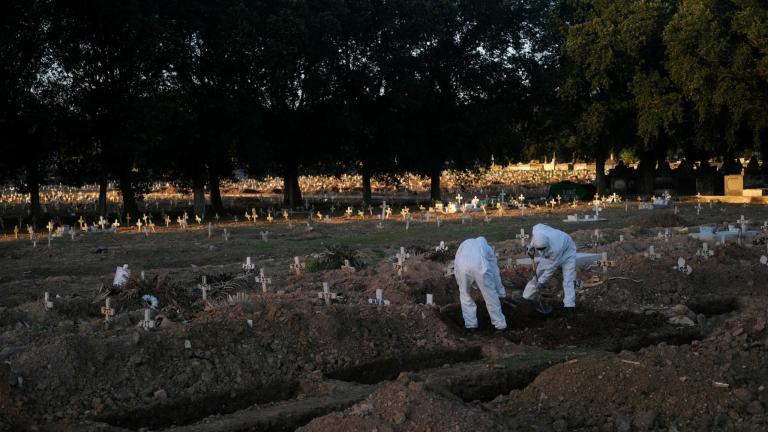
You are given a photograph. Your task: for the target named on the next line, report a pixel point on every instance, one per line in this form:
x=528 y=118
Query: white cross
x=698 y=209
x=441 y=247
x=248 y=266
x=326 y=294
x=138 y=225
x=50 y=227
x=605 y=264
x=404 y=212
x=379 y=300
x=651 y=253
x=597 y=236
x=348 y=212
x=147 y=323
x=459 y=198
x=264 y=235
x=263 y=280
x=269 y=217
x=522 y=236
x=198 y=219
x=705 y=252
x=47 y=303
x=205 y=287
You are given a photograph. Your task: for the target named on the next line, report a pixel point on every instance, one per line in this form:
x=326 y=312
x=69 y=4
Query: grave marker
x=148 y=323
x=682 y=267
x=107 y=309
x=605 y=264
x=705 y=252
x=430 y=299
x=651 y=254
x=326 y=294
x=263 y=280
x=297 y=266
x=47 y=303
x=379 y=300
x=522 y=236
x=347 y=267
x=248 y=266
x=264 y=236
x=204 y=288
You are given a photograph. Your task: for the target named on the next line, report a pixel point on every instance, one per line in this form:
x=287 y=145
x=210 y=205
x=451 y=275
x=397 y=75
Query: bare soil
x=649 y=348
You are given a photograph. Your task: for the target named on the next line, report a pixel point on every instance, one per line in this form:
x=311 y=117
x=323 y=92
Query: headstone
x=733 y=185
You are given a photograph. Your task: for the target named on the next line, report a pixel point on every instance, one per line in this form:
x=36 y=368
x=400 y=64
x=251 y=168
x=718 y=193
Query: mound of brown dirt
x=407 y=405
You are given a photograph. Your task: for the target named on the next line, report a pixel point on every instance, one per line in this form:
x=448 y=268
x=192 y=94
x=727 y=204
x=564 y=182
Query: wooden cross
x=605 y=264
x=50 y=227
x=254 y=215
x=263 y=280
x=107 y=309
x=651 y=253
x=326 y=294
x=297 y=266
x=204 y=288
x=198 y=219
x=247 y=215
x=269 y=217
x=522 y=236
x=81 y=221
x=705 y=252
x=167 y=220
x=138 y=225
x=347 y=267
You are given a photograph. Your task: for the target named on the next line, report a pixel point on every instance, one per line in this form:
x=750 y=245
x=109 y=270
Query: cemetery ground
x=650 y=347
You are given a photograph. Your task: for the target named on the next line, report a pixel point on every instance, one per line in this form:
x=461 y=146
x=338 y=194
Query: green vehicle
x=569 y=191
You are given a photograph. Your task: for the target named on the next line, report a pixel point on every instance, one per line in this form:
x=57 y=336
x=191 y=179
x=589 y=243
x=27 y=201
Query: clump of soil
x=408 y=405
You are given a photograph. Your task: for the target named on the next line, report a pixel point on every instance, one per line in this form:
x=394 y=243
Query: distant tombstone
x=733 y=185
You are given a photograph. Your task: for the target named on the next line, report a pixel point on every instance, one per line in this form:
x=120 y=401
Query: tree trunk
x=600 y=179
x=291 y=190
x=646 y=172
x=198 y=192
x=103 y=185
x=366 y=172
x=129 y=198
x=764 y=150
x=33 y=183
x=213 y=183
x=434 y=186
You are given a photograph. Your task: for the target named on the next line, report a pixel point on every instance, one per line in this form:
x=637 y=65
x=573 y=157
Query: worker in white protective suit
x=556 y=249
x=476 y=264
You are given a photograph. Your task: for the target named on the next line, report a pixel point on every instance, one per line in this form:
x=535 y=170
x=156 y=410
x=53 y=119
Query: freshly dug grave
x=219 y=362
x=715 y=384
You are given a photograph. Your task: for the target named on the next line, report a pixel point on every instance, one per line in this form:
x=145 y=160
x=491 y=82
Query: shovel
x=538 y=304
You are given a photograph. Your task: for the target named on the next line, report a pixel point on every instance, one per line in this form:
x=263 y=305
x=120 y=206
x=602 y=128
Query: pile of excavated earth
x=652 y=346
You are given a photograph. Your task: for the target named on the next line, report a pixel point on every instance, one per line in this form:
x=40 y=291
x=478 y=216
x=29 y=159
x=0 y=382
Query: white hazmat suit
x=476 y=263
x=557 y=249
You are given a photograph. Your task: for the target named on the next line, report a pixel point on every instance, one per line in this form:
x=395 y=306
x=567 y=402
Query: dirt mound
x=408 y=405
x=657 y=219
x=707 y=385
